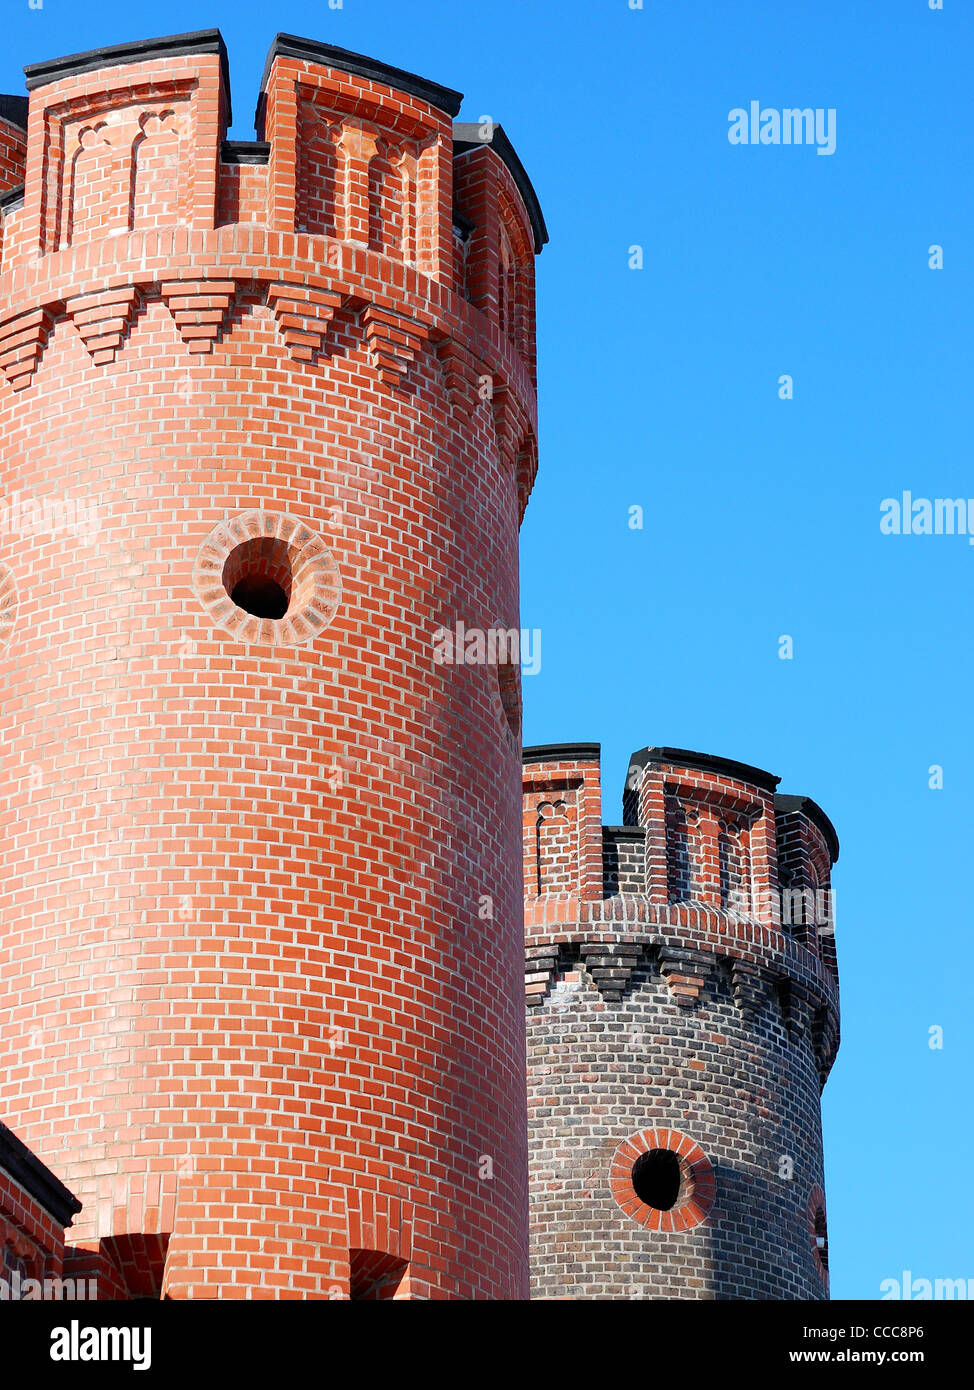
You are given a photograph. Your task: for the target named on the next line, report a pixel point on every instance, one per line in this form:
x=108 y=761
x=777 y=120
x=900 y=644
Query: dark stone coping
x=245 y=151
x=14 y=110
x=562 y=753
x=327 y=55
x=705 y=762
x=625 y=832
x=12 y=198
x=142 y=51
x=805 y=806
x=466 y=136
x=32 y=1175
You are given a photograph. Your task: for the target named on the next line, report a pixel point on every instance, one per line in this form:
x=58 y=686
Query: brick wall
x=13 y=151
x=664 y=1017
x=261 y=896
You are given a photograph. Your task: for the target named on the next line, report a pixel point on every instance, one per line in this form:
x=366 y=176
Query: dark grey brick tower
x=682 y=1019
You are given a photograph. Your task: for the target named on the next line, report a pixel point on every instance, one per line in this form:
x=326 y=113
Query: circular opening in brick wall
x=657 y=1178
x=264 y=577
x=263 y=597
x=258 y=577
x=663 y=1180
x=8 y=605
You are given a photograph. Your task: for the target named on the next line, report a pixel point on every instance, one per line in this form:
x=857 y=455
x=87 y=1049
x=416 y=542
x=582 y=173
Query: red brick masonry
x=261 y=899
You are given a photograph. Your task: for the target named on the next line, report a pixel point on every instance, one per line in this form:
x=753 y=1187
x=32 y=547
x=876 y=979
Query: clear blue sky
x=659 y=388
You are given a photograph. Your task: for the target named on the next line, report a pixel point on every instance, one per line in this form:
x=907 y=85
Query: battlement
x=698 y=832
x=125 y=155
x=710 y=867
x=359 y=206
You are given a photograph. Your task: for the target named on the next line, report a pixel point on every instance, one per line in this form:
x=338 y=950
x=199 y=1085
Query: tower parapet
x=680 y=1002
x=357 y=183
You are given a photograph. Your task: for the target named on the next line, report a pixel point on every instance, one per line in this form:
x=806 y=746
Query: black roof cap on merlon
x=142 y=51
x=13 y=198
x=805 y=806
x=562 y=753
x=705 y=762
x=625 y=832
x=14 y=110
x=245 y=152
x=34 y=1177
x=290 y=46
x=468 y=135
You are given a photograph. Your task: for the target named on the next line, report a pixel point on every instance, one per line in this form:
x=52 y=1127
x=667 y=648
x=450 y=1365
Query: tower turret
x=682 y=1019
x=260 y=404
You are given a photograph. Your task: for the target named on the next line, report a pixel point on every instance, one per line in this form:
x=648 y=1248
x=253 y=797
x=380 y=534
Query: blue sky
x=659 y=388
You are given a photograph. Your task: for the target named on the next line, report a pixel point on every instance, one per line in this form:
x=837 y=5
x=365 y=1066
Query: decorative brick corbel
x=394 y=342
x=103 y=320
x=303 y=317
x=611 y=965
x=685 y=972
x=199 y=309
x=800 y=1013
x=540 y=963
x=460 y=374
x=527 y=470
x=22 y=342
x=510 y=424
x=749 y=986
x=825 y=1040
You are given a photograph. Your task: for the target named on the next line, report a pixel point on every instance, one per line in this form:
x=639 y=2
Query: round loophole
x=657 y=1178
x=663 y=1180
x=269 y=578
x=258 y=577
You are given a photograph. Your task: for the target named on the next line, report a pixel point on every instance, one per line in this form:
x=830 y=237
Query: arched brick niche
x=663 y=1180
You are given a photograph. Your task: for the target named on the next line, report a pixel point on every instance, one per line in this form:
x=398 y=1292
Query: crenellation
x=354 y=160
x=807 y=849
x=339 y=155
x=495 y=199
x=135 y=150
x=128 y=160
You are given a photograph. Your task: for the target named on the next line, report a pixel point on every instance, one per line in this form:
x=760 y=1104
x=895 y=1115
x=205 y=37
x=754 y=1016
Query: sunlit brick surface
x=261 y=946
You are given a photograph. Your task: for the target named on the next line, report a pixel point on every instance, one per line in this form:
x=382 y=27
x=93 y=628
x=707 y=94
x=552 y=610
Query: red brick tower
x=683 y=1016
x=268 y=423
